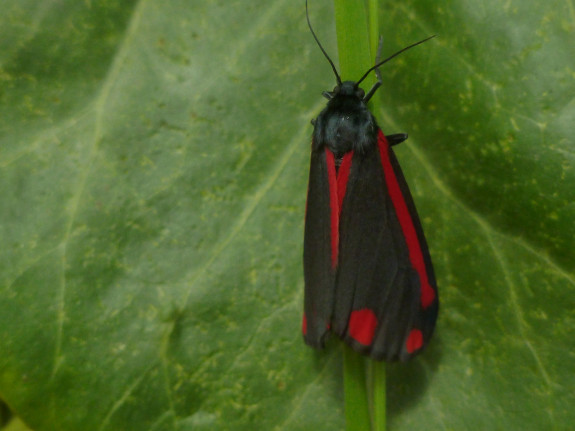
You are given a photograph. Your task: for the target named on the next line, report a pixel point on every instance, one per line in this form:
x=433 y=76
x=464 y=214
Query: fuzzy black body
x=346 y=123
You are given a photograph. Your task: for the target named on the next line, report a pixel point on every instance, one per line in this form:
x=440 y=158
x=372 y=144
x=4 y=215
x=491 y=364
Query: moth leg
x=396 y=138
x=379 y=81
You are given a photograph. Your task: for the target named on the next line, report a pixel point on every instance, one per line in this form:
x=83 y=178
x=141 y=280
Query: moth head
x=345 y=89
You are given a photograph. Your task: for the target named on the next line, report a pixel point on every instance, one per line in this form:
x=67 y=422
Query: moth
x=367 y=269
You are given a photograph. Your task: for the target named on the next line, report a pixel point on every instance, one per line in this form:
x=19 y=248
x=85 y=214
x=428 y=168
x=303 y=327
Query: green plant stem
x=357 y=416
x=378 y=402
x=377 y=369
x=352 y=38
x=373 y=17
x=357 y=30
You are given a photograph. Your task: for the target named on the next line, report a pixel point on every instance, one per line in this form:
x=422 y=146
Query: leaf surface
x=154 y=162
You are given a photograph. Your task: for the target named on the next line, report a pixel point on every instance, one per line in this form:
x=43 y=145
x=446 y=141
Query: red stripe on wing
x=406 y=222
x=337 y=180
x=333 y=206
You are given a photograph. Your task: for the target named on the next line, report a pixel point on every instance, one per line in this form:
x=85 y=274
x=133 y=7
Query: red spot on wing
x=362 y=324
x=415 y=255
x=414 y=341
x=304 y=325
x=333 y=206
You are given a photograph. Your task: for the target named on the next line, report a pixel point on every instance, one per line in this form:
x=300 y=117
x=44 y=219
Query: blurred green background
x=153 y=169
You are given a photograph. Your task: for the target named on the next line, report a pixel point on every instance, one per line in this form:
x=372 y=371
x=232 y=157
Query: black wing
x=385 y=302
x=318 y=257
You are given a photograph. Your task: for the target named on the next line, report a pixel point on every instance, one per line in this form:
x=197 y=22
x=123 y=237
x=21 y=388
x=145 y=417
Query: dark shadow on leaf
x=407 y=383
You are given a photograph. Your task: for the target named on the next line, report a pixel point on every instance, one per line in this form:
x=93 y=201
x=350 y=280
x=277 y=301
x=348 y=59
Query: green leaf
x=153 y=162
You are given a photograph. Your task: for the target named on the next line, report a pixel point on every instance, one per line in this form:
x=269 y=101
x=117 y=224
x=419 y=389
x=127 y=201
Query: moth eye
x=336 y=89
x=360 y=93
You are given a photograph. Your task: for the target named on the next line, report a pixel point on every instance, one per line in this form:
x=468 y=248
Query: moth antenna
x=391 y=56
x=321 y=47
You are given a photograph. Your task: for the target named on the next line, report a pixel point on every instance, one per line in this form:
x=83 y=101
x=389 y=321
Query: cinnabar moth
x=368 y=273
